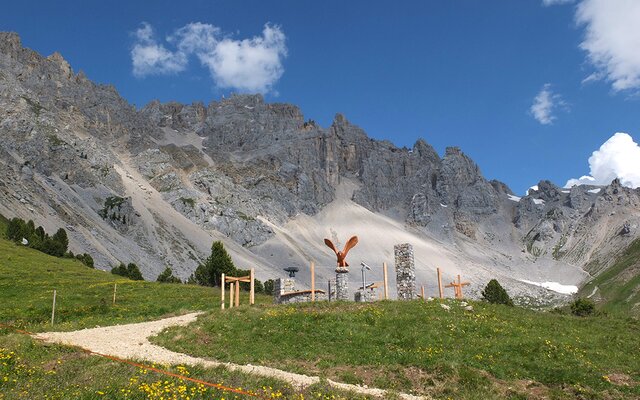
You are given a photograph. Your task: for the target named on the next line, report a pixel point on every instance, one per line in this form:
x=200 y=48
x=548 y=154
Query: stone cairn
x=282 y=286
x=405 y=271
x=342 y=283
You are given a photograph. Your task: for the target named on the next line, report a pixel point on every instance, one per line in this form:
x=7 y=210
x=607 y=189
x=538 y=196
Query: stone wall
x=284 y=292
x=405 y=271
x=301 y=297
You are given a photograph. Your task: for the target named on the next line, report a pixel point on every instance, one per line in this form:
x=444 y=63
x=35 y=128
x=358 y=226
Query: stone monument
x=405 y=271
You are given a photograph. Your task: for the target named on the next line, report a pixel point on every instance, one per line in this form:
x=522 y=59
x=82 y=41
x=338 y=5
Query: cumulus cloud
x=247 y=65
x=150 y=58
x=555 y=2
x=618 y=157
x=612 y=40
x=544 y=105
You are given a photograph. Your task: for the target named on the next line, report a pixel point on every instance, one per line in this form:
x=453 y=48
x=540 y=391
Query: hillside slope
x=617 y=288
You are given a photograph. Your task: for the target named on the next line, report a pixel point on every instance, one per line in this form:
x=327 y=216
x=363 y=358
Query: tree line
x=25 y=233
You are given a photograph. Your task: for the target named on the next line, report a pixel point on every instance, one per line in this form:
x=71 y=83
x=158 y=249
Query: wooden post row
x=222 y=285
x=386 y=283
x=313 y=282
x=53 y=309
x=237 y=294
x=252 y=298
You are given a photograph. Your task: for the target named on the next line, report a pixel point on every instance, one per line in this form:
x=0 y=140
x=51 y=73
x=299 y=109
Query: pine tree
x=218 y=263
x=495 y=293
x=133 y=272
x=167 y=277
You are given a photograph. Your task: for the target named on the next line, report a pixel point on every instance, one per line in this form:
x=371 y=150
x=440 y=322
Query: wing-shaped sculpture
x=341 y=255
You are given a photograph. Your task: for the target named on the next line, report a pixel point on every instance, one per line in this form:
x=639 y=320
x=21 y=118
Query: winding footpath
x=131 y=341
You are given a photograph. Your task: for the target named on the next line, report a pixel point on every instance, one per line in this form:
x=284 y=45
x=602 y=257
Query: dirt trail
x=131 y=341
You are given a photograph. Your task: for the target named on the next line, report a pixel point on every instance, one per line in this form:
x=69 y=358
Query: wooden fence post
x=313 y=282
x=231 y=294
x=53 y=309
x=252 y=291
x=222 y=285
x=440 y=283
x=237 y=294
x=115 y=289
x=386 y=283
x=422 y=290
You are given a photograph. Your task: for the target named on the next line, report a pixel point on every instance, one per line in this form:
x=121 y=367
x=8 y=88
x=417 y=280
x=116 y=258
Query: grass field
x=33 y=370
x=495 y=351
x=84 y=295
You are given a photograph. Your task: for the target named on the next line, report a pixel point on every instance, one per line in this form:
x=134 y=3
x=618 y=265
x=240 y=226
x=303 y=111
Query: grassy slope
x=29 y=369
x=84 y=295
x=619 y=286
x=417 y=345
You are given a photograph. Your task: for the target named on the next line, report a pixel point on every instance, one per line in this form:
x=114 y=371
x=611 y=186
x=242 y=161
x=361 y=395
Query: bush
x=86 y=259
x=494 y=293
x=167 y=277
x=130 y=271
x=268 y=287
x=582 y=307
x=258 y=287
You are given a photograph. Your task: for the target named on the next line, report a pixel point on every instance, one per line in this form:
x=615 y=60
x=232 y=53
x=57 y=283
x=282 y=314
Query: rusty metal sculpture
x=342 y=255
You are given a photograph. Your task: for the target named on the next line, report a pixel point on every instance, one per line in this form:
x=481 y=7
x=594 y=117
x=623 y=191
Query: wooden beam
x=237 y=294
x=252 y=286
x=386 y=282
x=441 y=291
x=238 y=278
x=313 y=282
x=422 y=291
x=222 y=285
x=231 y=294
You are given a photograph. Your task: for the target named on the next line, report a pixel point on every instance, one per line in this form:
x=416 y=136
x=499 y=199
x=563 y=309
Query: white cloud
x=544 y=104
x=555 y=2
x=618 y=157
x=247 y=65
x=150 y=58
x=612 y=40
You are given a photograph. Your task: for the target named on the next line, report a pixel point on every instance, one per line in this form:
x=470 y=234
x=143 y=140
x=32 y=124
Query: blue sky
x=456 y=73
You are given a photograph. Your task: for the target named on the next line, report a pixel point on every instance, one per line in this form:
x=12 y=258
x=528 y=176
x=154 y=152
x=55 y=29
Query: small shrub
x=268 y=287
x=582 y=307
x=167 y=277
x=494 y=293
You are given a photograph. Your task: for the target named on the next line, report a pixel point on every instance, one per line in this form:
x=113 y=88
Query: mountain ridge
x=155 y=185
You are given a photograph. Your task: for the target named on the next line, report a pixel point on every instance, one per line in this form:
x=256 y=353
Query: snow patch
x=554 y=286
x=532 y=188
x=594 y=190
x=538 y=201
x=513 y=198
x=443 y=205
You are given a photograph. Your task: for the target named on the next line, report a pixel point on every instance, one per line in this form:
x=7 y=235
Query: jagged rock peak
x=425 y=150
x=10 y=43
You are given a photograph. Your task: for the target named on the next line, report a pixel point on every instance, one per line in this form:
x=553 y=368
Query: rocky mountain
x=156 y=185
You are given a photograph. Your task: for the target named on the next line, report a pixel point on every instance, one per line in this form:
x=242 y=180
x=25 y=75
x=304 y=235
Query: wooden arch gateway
x=234 y=289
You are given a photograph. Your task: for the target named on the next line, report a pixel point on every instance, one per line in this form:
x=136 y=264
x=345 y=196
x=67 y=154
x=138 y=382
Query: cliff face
x=156 y=185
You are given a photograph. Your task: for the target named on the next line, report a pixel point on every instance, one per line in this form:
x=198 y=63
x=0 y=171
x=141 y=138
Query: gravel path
x=131 y=342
